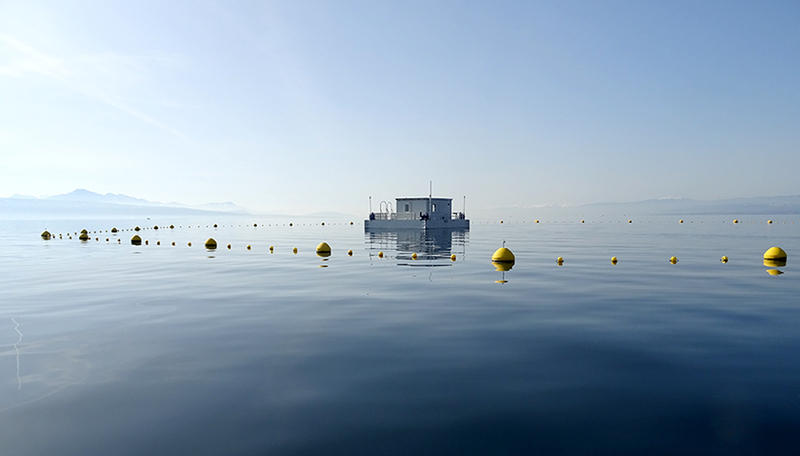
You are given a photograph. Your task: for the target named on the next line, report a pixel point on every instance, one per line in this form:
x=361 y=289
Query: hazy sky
x=310 y=105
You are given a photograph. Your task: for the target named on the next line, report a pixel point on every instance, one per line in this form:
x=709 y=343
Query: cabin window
x=433 y=208
x=407 y=208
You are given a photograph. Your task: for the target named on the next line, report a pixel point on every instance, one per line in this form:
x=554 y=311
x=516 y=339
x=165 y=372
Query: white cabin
x=415 y=208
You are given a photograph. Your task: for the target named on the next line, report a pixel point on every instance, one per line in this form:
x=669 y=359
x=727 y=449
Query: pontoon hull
x=452 y=224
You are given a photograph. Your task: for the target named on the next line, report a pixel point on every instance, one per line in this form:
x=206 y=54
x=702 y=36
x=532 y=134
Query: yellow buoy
x=84 y=237
x=673 y=260
x=769 y=222
x=172 y=227
x=114 y=230
x=229 y=246
x=106 y=239
x=119 y=241
x=680 y=221
x=614 y=260
x=146 y=242
x=775 y=257
x=350 y=252
x=211 y=243
x=503 y=255
x=189 y=244
x=255 y=225
x=46 y=235
x=775 y=253
x=735 y=220
x=537 y=220
x=248 y=247
x=271 y=248
x=291 y=224
x=136 y=240
x=155 y=227
x=158 y=242
x=323 y=223
x=323 y=247
x=351 y=223
x=294 y=250
x=724 y=259
x=215 y=225
x=501 y=221
x=173 y=243
x=380 y=254
x=414 y=256
x=453 y=257
x=630 y=221
x=582 y=221
x=560 y=260
x=136 y=229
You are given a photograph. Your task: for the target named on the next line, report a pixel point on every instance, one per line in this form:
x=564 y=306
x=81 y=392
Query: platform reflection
x=432 y=247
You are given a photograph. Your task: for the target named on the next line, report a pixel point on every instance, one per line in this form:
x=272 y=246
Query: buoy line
x=773 y=257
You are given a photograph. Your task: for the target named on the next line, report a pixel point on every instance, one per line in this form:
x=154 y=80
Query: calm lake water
x=115 y=349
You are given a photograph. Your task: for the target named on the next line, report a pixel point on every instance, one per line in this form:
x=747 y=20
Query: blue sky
x=306 y=106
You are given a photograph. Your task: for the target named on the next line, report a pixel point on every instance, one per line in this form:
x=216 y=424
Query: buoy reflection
x=502 y=266
x=776 y=263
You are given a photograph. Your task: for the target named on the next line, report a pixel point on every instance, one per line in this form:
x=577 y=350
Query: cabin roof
x=424 y=198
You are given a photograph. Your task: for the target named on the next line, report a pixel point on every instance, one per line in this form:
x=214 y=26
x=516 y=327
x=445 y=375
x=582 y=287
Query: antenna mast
x=430 y=196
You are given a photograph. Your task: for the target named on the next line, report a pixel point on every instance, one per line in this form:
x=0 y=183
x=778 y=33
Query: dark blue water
x=109 y=348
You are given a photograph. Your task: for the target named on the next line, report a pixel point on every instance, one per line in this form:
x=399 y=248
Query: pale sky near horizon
x=302 y=106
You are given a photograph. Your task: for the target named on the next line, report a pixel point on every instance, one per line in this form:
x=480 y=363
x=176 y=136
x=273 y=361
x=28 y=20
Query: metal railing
x=410 y=216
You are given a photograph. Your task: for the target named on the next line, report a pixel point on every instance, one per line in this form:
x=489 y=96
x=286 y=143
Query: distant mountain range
x=789 y=204
x=762 y=205
x=83 y=202
x=85 y=196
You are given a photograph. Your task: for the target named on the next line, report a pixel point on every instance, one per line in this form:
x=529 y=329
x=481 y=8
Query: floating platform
x=417 y=214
